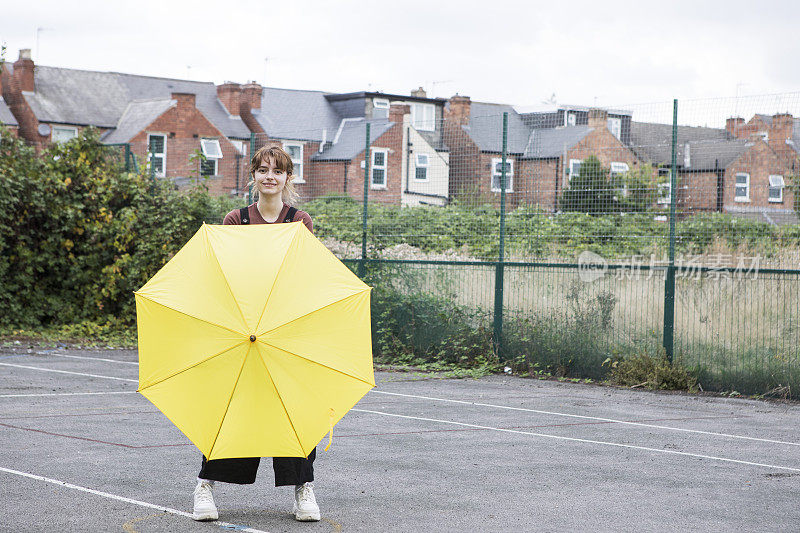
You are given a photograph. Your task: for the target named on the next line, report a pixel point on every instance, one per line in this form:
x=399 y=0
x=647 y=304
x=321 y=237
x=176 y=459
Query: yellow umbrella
x=254 y=340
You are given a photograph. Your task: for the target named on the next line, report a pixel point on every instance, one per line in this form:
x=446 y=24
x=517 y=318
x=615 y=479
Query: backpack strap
x=244 y=215
x=290 y=214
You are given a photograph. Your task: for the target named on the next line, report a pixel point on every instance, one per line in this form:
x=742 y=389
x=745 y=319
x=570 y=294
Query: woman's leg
x=240 y=470
x=294 y=470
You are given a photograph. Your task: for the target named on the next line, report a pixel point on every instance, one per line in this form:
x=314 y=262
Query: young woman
x=271 y=172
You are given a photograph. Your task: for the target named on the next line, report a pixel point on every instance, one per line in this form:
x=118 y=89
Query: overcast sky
x=610 y=53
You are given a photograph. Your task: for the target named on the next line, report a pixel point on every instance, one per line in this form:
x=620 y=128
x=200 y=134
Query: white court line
x=68 y=372
x=66 y=394
x=574 y=439
x=585 y=417
x=123 y=499
x=93 y=358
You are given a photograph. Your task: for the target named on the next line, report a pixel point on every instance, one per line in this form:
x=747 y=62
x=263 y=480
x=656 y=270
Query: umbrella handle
x=330 y=433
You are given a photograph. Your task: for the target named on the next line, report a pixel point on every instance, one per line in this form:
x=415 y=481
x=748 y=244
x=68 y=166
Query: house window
x=380 y=160
x=213 y=153
x=615 y=126
x=421 y=173
x=497 y=174
x=423 y=117
x=571 y=119
x=574 y=168
x=742 y=191
x=157 y=147
x=776 y=185
x=664 y=187
x=295 y=151
x=619 y=169
x=63 y=134
x=380 y=108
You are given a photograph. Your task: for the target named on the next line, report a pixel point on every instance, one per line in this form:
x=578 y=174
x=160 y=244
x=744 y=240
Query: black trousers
x=288 y=470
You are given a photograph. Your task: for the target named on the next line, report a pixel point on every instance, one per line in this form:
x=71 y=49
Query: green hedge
x=78 y=234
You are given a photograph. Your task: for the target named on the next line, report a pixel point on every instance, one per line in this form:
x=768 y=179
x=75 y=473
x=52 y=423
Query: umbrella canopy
x=254 y=340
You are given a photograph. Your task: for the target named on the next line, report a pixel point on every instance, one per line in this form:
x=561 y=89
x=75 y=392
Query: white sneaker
x=305 y=507
x=204 y=508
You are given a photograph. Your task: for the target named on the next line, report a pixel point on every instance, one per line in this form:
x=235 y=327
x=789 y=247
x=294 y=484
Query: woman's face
x=269 y=179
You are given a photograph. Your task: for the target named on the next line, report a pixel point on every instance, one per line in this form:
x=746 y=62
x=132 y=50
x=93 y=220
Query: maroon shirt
x=234 y=217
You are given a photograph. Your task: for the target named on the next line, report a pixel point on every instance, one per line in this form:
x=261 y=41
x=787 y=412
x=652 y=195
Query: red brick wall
x=465 y=157
x=184 y=126
x=393 y=141
x=759 y=161
x=535 y=181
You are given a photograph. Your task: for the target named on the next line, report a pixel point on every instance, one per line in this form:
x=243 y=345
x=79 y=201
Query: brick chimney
x=251 y=95
x=419 y=93
x=733 y=125
x=397 y=111
x=185 y=100
x=250 y=98
x=23 y=70
x=598 y=118
x=229 y=93
x=457 y=110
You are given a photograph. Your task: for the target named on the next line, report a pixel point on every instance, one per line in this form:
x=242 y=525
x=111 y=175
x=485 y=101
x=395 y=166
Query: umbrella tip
x=252 y=338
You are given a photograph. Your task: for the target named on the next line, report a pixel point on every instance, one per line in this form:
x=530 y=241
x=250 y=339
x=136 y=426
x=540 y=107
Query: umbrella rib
x=142 y=296
x=313 y=311
x=228 y=406
x=317 y=363
x=194 y=365
x=278 y=393
x=224 y=277
x=275 y=281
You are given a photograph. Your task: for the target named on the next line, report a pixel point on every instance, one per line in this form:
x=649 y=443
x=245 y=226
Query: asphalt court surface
x=80 y=451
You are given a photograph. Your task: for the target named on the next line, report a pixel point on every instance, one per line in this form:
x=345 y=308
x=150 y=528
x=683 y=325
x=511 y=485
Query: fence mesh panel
x=564 y=239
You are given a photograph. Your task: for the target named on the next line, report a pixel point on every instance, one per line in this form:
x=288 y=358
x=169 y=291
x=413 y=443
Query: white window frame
x=162 y=155
x=496 y=163
x=664 y=187
x=419 y=164
x=384 y=167
x=212 y=151
x=211 y=148
x=570 y=118
x=620 y=167
x=380 y=103
x=779 y=184
x=71 y=129
x=736 y=197
x=615 y=123
x=423 y=117
x=572 y=172
x=298 y=163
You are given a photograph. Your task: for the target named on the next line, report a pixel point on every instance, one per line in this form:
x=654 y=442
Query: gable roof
x=296 y=114
x=6 y=116
x=486 y=128
x=352 y=139
x=652 y=142
x=552 y=142
x=100 y=99
x=136 y=117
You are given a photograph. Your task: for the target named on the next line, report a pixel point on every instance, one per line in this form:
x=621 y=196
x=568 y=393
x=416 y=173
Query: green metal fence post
x=362 y=263
x=252 y=151
x=127 y=157
x=669 y=282
x=499 y=268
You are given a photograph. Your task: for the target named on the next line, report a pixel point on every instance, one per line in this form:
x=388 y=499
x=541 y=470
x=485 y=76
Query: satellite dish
x=44 y=129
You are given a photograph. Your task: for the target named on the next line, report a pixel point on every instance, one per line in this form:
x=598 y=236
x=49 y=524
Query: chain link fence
x=566 y=239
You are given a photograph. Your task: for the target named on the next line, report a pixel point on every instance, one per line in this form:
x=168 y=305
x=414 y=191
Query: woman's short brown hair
x=282 y=161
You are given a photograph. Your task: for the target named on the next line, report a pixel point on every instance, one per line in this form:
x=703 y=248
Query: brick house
x=542 y=155
x=175 y=120
x=737 y=170
x=325 y=134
